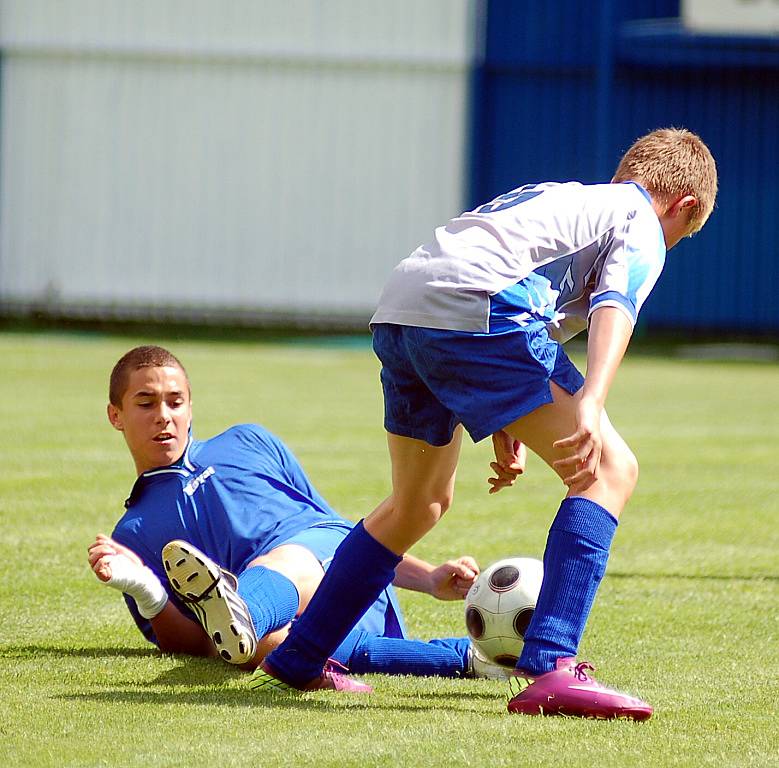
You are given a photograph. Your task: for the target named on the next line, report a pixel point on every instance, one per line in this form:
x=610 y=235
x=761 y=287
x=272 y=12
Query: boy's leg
x=364 y=564
x=577 y=549
x=369 y=653
x=235 y=611
x=580 y=536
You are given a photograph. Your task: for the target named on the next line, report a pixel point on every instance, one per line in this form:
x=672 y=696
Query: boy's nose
x=163 y=417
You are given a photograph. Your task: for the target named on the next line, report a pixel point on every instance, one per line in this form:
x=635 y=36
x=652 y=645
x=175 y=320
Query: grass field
x=687 y=616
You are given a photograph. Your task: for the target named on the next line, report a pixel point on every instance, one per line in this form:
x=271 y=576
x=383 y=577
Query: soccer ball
x=499 y=606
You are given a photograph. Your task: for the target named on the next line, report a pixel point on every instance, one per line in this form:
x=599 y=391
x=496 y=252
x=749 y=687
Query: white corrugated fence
x=245 y=158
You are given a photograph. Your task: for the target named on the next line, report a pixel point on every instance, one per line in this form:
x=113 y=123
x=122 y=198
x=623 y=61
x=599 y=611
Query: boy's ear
x=115 y=417
x=688 y=201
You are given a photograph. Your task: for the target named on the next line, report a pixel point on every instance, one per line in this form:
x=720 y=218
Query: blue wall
x=565 y=87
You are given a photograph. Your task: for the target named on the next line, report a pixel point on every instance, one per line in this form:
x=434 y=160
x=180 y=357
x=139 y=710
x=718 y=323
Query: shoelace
x=333 y=667
x=580 y=670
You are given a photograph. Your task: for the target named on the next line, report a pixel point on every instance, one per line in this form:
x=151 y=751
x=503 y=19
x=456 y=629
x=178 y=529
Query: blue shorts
x=383 y=618
x=434 y=379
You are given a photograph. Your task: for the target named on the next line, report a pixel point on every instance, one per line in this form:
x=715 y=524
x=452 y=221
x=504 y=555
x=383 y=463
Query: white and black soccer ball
x=499 y=606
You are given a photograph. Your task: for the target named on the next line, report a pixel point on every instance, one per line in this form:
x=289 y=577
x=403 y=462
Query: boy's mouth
x=163 y=437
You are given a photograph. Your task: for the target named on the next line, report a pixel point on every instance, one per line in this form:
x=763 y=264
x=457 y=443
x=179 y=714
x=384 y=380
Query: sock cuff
x=272 y=599
x=372 y=550
x=587 y=519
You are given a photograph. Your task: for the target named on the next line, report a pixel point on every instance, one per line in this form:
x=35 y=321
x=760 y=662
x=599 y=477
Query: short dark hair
x=148 y=356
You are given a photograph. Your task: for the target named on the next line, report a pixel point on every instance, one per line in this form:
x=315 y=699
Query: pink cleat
x=266 y=680
x=569 y=691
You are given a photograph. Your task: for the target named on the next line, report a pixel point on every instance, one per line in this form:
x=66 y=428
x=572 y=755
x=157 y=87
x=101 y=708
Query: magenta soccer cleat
x=333 y=678
x=569 y=691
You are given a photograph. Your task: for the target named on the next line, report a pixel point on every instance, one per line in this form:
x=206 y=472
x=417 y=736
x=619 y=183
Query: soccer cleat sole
x=263 y=682
x=590 y=713
x=206 y=589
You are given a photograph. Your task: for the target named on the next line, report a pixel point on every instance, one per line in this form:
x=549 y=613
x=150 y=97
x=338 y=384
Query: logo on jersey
x=510 y=199
x=196 y=482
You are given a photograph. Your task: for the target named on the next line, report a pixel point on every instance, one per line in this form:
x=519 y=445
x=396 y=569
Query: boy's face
x=154 y=416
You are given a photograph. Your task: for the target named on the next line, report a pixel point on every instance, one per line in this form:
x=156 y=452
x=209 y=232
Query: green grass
x=687 y=615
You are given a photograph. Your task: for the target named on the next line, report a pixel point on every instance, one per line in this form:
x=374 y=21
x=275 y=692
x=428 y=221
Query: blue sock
x=574 y=563
x=272 y=599
x=361 y=569
x=447 y=657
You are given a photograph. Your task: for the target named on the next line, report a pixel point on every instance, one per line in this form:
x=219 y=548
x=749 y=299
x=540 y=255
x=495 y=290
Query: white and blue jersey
x=551 y=252
x=235 y=497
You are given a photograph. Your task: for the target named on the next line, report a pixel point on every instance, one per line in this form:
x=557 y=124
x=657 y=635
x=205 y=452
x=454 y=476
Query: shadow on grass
x=692 y=576
x=197 y=672
x=324 y=702
x=34 y=651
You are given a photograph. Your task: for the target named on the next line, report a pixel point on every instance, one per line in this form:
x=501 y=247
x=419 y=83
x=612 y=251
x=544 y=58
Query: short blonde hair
x=671 y=163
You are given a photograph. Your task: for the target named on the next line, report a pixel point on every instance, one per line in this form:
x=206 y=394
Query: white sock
x=140 y=583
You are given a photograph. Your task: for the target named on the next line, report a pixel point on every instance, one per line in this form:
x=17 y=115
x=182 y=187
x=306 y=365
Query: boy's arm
x=608 y=337
x=450 y=581
x=118 y=566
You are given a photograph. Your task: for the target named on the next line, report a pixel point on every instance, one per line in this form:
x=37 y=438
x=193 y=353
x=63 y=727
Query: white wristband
x=140 y=583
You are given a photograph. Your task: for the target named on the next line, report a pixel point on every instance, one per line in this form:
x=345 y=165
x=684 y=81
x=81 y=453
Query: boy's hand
x=580 y=470
x=120 y=568
x=103 y=550
x=453 y=579
x=509 y=464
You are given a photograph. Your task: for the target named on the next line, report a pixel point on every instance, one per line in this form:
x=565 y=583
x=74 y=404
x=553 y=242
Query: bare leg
x=618 y=472
x=422 y=489
x=580 y=537
x=364 y=564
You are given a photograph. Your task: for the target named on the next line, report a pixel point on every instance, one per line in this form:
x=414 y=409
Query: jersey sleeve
x=634 y=260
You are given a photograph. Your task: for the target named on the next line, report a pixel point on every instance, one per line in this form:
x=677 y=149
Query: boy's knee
x=437 y=508
x=444 y=503
x=621 y=470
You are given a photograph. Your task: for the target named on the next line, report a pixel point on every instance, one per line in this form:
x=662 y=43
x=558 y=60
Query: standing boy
x=469 y=330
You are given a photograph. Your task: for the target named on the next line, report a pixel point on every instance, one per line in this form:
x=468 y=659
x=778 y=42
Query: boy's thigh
x=483 y=381
x=541 y=428
x=321 y=540
x=544 y=426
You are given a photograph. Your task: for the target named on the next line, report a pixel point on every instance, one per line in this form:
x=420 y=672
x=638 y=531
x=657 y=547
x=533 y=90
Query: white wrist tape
x=140 y=583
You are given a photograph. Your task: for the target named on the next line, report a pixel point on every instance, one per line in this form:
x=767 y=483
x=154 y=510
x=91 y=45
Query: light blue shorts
x=434 y=380
x=383 y=618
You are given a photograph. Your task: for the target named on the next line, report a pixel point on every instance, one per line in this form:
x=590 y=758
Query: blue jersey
x=235 y=497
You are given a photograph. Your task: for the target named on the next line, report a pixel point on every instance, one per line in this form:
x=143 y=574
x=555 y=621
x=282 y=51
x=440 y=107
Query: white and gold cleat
x=210 y=591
